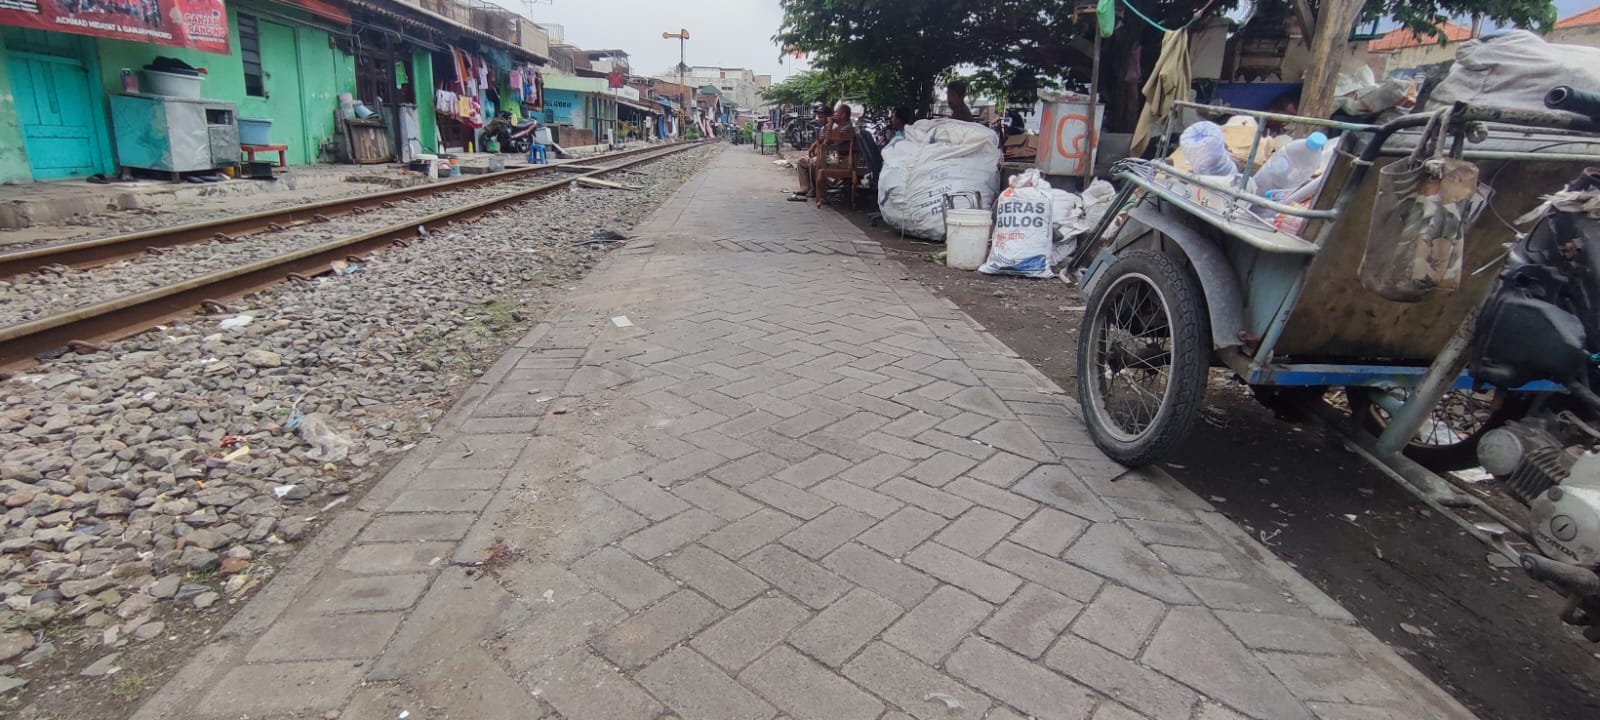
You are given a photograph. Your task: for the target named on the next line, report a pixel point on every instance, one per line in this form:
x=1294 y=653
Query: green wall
x=324 y=73
x=13 y=157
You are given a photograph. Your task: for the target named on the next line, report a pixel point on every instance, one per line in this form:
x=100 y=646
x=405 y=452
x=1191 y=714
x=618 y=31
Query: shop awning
x=321 y=9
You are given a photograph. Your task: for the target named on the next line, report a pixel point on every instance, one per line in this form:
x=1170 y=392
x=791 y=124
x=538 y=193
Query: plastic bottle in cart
x=1205 y=150
x=1290 y=167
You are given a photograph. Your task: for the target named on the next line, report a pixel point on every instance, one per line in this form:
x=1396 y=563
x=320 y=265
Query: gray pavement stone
x=740 y=638
x=685 y=467
x=932 y=629
x=1194 y=561
x=624 y=579
x=719 y=443
x=666 y=536
x=859 y=498
x=787 y=498
x=828 y=531
x=753 y=531
x=636 y=640
x=1343 y=679
x=927 y=498
x=965 y=424
x=1015 y=438
x=719 y=578
x=1234 y=595
x=893 y=580
x=1056 y=486
x=440 y=501
x=1031 y=620
x=793 y=574
x=293 y=688
x=913 y=686
x=975 y=531
x=1120 y=619
x=981 y=400
x=902 y=531
x=989 y=496
x=1181 y=535
x=1123 y=680
x=807 y=691
x=1193 y=648
x=939 y=470
x=1049 y=531
x=873 y=472
x=749 y=469
x=716 y=498
x=1162 y=510
x=695 y=688
x=415 y=527
x=1112 y=551
x=646 y=498
x=388 y=558
x=1266 y=631
x=459 y=479
x=579 y=685
x=897 y=446
x=813 y=470
x=844 y=627
x=1047 y=571
x=325 y=638
x=975 y=576
x=1109 y=710
x=1019 y=683
x=840 y=446
x=911 y=423
x=1002 y=469
x=370 y=593
x=527 y=646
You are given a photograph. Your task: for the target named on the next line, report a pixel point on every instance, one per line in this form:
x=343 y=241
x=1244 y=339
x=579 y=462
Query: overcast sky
x=733 y=33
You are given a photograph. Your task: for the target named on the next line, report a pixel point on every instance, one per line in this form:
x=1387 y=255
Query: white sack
x=934 y=159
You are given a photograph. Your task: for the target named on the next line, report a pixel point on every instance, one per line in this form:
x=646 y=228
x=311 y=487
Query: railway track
x=101 y=251
x=90 y=326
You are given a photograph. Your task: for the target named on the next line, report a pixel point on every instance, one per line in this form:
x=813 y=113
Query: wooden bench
x=251 y=150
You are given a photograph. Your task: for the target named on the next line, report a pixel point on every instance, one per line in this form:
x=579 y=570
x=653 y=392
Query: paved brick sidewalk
x=797 y=485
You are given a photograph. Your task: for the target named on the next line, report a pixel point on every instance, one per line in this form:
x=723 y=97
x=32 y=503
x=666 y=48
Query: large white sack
x=934 y=159
x=1514 y=71
x=1022 y=237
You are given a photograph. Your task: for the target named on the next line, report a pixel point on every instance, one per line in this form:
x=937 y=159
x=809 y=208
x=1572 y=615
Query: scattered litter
x=291 y=492
x=950 y=702
x=1350 y=518
x=558 y=411
x=236 y=322
x=1174 y=466
x=1474 y=475
x=435 y=561
x=403 y=715
x=549 y=597
x=1418 y=631
x=621 y=321
x=1264 y=481
x=1365 y=491
x=327 y=445
x=334 y=503
x=236 y=454
x=543 y=399
x=1218 y=498
x=1266 y=537
x=1378 y=551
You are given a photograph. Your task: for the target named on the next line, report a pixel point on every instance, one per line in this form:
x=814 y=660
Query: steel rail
x=109 y=249
x=128 y=315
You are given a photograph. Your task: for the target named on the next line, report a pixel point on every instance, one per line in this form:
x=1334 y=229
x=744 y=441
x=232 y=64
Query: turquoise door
x=54 y=105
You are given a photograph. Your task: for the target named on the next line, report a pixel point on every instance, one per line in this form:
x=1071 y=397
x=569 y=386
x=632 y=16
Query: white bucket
x=172 y=84
x=966 y=238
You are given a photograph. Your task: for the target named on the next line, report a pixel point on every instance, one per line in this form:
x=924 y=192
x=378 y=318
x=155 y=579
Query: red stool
x=251 y=150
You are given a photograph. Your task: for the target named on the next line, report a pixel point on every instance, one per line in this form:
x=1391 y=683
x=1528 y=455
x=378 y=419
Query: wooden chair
x=846 y=170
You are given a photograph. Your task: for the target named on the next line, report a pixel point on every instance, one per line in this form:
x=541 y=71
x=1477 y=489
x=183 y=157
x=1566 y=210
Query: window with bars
x=250 y=54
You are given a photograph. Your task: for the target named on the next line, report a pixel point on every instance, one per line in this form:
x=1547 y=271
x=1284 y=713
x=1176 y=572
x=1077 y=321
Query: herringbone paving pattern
x=796 y=485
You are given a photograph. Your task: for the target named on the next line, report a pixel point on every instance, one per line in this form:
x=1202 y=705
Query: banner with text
x=197 y=24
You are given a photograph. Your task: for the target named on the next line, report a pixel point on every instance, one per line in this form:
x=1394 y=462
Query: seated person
x=499 y=130
x=897 y=124
x=955 y=95
x=831 y=149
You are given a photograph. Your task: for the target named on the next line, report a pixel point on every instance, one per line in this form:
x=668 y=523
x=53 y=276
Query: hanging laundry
x=401 y=79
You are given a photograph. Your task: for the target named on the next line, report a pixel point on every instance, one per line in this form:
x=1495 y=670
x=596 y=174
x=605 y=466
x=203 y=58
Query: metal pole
x=1441 y=376
x=682 y=88
x=1094 y=99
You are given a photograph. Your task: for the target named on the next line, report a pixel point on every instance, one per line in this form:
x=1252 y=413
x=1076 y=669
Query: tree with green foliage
x=910 y=44
x=824 y=86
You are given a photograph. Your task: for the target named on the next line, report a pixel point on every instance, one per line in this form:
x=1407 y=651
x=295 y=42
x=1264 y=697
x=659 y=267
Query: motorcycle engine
x=1559 y=483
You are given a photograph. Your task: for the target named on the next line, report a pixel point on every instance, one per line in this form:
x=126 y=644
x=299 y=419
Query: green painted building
x=288 y=62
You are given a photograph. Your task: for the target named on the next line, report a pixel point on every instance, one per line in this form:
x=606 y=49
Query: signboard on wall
x=196 y=24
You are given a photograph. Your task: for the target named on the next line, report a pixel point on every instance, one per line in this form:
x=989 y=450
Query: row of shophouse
x=314 y=73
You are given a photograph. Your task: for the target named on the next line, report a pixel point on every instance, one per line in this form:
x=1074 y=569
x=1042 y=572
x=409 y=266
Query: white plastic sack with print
x=934 y=159
x=1023 y=229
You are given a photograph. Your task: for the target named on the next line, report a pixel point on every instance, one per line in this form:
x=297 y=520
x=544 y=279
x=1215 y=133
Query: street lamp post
x=681 y=35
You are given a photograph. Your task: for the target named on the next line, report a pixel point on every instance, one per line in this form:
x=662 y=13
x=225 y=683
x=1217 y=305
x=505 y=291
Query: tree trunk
x=1329 y=46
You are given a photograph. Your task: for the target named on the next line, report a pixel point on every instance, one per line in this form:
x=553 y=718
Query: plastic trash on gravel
x=327 y=444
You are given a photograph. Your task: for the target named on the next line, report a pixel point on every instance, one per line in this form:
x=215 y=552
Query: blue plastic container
x=255 y=131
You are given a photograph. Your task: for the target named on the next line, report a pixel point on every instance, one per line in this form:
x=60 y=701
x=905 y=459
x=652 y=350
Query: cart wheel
x=1143 y=357
x=1448 y=439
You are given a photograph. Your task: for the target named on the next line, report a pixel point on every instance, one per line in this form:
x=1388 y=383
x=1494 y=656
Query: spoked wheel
x=1448 y=438
x=1143 y=356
